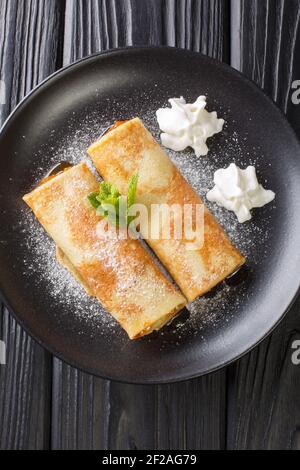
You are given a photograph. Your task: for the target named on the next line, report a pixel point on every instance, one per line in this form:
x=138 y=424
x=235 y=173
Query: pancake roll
x=117 y=270
x=129 y=149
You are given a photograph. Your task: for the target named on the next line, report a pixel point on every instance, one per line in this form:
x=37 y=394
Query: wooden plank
x=96 y=25
x=263 y=388
x=29 y=34
x=80 y=409
x=265 y=44
x=189 y=415
x=91 y=413
x=118 y=416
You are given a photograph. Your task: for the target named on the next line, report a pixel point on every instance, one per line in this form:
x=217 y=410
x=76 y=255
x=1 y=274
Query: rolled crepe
x=119 y=272
x=129 y=149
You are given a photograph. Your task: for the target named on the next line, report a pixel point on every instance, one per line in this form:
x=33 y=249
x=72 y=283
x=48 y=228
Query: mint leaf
x=111 y=204
x=104 y=188
x=107 y=190
x=93 y=198
x=132 y=187
x=114 y=192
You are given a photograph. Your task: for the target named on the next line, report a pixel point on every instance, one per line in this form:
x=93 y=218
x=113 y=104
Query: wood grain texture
x=261 y=391
x=117 y=416
x=29 y=35
x=90 y=413
x=268 y=34
x=79 y=402
x=95 y=25
x=189 y=415
x=263 y=387
x=25 y=390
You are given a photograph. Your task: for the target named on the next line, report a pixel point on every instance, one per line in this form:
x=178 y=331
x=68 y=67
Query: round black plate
x=58 y=121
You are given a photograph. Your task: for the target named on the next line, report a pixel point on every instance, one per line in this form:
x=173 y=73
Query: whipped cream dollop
x=188 y=125
x=239 y=191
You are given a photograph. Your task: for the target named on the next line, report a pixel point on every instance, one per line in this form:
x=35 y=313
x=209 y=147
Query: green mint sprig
x=110 y=204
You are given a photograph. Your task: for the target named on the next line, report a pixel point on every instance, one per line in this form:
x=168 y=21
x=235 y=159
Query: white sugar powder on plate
x=64 y=289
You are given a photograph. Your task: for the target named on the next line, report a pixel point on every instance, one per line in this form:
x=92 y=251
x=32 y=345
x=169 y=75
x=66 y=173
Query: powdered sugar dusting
x=64 y=288
x=224 y=148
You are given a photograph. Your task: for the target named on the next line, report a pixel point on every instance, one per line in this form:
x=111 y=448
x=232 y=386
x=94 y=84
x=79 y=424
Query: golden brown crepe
x=119 y=272
x=129 y=149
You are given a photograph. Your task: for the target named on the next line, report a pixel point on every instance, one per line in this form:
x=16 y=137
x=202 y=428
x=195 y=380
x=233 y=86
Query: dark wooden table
x=252 y=404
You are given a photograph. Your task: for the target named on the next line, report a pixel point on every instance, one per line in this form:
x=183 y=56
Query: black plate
x=58 y=121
